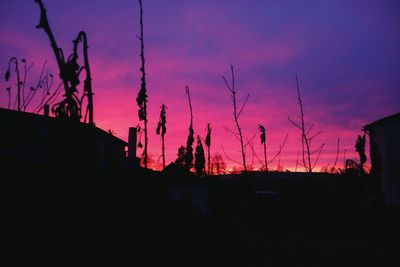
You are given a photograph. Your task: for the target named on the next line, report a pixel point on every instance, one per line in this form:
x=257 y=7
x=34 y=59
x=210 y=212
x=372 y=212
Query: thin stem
x=142 y=69
x=163 y=150
x=190 y=139
x=337 y=153
x=305 y=140
x=236 y=115
x=280 y=150
x=265 y=157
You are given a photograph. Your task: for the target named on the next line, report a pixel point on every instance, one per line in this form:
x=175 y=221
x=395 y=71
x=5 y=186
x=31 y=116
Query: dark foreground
x=57 y=217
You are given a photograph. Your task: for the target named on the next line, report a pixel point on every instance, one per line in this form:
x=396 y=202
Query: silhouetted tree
x=180 y=161
x=263 y=142
x=218 y=164
x=142 y=96
x=208 y=144
x=200 y=159
x=162 y=129
x=306 y=137
x=190 y=138
x=236 y=114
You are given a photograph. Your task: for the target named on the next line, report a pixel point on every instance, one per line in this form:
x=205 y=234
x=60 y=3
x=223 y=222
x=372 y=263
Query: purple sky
x=346 y=54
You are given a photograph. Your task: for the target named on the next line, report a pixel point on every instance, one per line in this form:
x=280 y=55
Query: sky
x=345 y=53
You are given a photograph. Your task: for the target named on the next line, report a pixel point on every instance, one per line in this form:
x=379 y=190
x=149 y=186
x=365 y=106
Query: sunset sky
x=345 y=53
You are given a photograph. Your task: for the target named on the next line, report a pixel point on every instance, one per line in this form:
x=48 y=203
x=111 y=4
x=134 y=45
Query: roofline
x=381 y=121
x=58 y=120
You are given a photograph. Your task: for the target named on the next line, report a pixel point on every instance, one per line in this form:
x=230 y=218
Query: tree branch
x=250 y=140
x=294 y=123
x=337 y=152
x=226 y=83
x=244 y=104
x=228 y=158
x=316 y=161
x=229 y=130
x=255 y=154
x=280 y=150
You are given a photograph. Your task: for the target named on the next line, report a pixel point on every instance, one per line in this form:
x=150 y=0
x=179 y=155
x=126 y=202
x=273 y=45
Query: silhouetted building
x=34 y=140
x=384 y=137
x=69 y=188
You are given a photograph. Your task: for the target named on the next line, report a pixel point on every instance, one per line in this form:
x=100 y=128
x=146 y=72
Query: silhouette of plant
x=208 y=144
x=360 y=148
x=71 y=105
x=8 y=89
x=19 y=82
x=180 y=161
x=218 y=165
x=161 y=130
x=280 y=167
x=47 y=98
x=45 y=81
x=306 y=137
x=236 y=114
x=263 y=142
x=352 y=167
x=190 y=138
x=200 y=159
x=337 y=156
x=142 y=99
x=277 y=155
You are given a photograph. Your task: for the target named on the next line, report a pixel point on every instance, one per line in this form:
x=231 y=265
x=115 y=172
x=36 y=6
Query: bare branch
x=50 y=100
x=280 y=150
x=233 y=78
x=227 y=85
x=29 y=67
x=32 y=93
x=316 y=161
x=337 y=152
x=229 y=130
x=255 y=154
x=301 y=164
x=312 y=125
x=306 y=140
x=236 y=135
x=294 y=123
x=318 y=149
x=228 y=158
x=57 y=93
x=315 y=135
x=235 y=116
x=244 y=104
x=250 y=140
x=252 y=158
